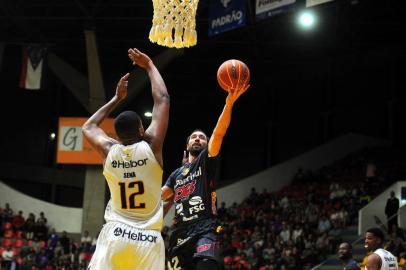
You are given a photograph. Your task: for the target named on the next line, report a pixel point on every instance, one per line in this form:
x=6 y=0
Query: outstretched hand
x=121 y=90
x=234 y=94
x=139 y=58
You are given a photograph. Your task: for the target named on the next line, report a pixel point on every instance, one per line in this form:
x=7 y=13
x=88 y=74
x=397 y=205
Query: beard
x=195 y=150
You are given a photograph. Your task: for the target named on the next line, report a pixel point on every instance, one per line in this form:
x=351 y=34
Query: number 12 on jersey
x=131 y=197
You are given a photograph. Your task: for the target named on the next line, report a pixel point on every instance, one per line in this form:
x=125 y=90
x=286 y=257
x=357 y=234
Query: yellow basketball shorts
x=122 y=247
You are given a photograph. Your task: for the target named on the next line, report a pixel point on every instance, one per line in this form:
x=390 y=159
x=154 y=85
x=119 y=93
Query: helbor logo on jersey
x=118 y=231
x=128 y=164
x=136 y=236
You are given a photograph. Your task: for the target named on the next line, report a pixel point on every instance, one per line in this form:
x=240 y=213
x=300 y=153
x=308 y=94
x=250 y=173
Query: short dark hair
x=127 y=124
x=377 y=233
x=347 y=243
x=197 y=129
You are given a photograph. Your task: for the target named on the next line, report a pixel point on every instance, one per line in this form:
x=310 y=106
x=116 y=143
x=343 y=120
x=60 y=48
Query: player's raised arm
x=91 y=128
x=155 y=133
x=233 y=76
x=223 y=122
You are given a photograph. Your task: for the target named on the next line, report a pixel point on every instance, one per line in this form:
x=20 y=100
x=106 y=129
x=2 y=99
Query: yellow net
x=174 y=23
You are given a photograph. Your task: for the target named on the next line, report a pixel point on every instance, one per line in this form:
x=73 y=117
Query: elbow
x=162 y=98
x=86 y=127
x=165 y=98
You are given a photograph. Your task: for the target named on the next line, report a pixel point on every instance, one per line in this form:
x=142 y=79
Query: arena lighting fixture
x=148 y=114
x=52 y=136
x=306 y=19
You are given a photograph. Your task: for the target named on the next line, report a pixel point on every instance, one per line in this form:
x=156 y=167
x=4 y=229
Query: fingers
x=234 y=95
x=134 y=50
x=243 y=90
x=133 y=53
x=124 y=78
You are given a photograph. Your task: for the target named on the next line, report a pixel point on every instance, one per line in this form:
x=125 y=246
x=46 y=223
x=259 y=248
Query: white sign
x=267 y=5
x=310 y=3
x=70 y=138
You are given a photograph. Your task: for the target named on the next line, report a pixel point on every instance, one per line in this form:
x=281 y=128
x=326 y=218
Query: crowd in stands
x=298 y=226
x=28 y=244
x=293 y=228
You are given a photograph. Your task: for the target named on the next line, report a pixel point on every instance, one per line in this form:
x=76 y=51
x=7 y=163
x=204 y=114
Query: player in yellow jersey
x=131 y=237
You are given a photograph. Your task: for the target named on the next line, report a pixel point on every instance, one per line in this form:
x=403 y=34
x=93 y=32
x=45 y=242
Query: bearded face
x=196 y=143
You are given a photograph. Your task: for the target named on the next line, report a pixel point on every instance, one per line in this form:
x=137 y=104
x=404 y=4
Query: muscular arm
x=91 y=128
x=155 y=133
x=373 y=262
x=223 y=122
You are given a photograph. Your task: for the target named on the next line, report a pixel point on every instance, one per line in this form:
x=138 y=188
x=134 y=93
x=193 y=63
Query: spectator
x=297 y=233
x=345 y=255
x=324 y=224
x=86 y=242
x=65 y=242
x=52 y=238
x=285 y=233
x=222 y=211
x=30 y=226
x=58 y=250
x=364 y=197
x=94 y=242
x=42 y=219
x=8 y=258
x=7 y=213
x=391 y=211
x=284 y=203
x=36 y=246
x=41 y=229
x=18 y=221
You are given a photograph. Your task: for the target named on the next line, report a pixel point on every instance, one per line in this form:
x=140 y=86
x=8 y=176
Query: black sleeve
x=212 y=165
x=170 y=182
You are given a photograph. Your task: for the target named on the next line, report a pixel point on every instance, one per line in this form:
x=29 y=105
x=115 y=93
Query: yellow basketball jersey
x=134 y=177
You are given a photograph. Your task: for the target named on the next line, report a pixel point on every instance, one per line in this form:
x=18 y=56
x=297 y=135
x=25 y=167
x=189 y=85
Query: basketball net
x=174 y=23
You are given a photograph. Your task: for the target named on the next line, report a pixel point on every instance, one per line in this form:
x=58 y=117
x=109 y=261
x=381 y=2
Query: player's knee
x=206 y=264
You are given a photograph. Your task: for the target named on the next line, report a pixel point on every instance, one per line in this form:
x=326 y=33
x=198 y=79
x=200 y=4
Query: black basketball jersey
x=194 y=189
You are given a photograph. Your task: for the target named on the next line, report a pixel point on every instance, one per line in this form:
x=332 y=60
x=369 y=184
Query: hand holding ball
x=233 y=75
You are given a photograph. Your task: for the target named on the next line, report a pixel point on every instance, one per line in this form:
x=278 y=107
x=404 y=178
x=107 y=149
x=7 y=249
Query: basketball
x=233 y=74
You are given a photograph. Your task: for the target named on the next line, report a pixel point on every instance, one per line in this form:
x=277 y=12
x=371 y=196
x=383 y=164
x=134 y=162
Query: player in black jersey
x=191 y=188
